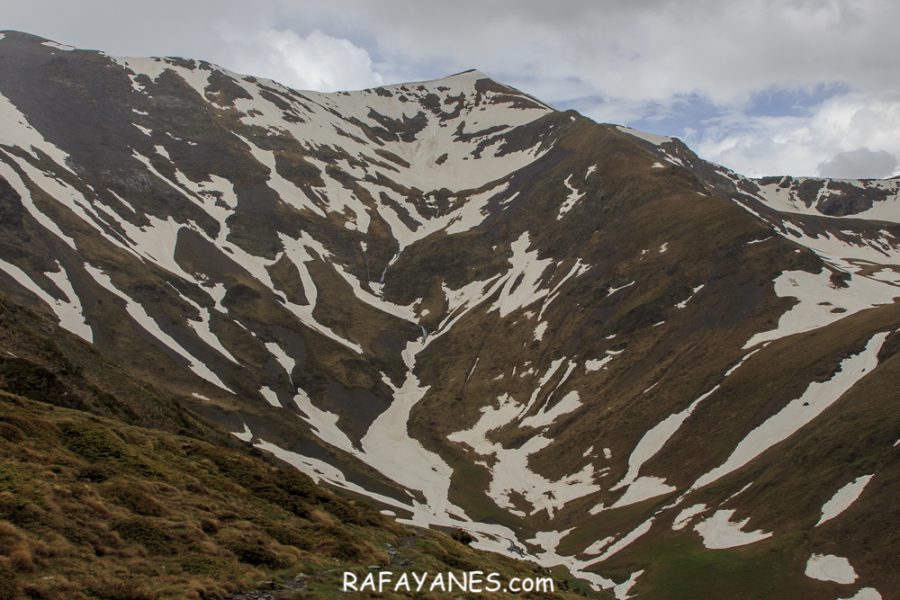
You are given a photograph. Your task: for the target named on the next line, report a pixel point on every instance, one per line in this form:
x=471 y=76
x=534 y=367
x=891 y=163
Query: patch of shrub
x=131 y=496
x=11 y=432
x=257 y=553
x=143 y=531
x=93 y=474
x=9 y=584
x=91 y=442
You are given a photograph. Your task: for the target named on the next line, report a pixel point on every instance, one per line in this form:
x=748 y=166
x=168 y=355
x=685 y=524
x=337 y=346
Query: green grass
x=679 y=567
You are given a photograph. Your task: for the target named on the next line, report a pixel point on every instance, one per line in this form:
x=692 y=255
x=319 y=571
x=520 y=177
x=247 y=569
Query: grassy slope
x=789 y=485
x=93 y=508
x=109 y=489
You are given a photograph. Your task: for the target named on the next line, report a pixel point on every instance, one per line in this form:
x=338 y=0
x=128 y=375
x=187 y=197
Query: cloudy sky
x=763 y=86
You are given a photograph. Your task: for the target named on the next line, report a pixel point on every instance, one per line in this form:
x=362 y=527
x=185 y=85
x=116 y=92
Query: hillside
x=580 y=343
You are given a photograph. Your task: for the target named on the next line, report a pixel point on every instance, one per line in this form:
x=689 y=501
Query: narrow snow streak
x=843 y=498
x=69 y=313
x=570 y=201
x=797 y=413
x=655 y=438
x=148 y=324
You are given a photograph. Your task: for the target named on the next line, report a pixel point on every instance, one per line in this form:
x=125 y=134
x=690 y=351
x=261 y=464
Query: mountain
x=580 y=343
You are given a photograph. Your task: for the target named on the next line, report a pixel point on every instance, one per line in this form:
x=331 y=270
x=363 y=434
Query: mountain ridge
x=435 y=298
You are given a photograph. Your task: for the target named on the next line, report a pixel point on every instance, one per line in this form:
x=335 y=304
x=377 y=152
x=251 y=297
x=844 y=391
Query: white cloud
x=802 y=145
x=860 y=163
x=316 y=61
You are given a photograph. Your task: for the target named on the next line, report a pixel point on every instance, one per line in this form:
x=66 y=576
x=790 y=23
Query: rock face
x=578 y=342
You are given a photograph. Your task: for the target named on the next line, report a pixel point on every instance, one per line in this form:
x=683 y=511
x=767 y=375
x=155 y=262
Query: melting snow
x=570 y=201
x=718 y=531
x=866 y=593
x=797 y=413
x=286 y=361
x=654 y=440
x=694 y=291
x=613 y=290
x=743 y=360
x=58 y=46
x=270 y=396
x=146 y=322
x=827 y=567
x=511 y=474
x=324 y=423
x=787 y=200
x=18 y=132
x=623 y=542
x=204 y=332
x=595 y=364
x=843 y=498
x=569 y=403
x=648 y=137
x=7 y=173
x=69 y=313
x=598 y=546
x=684 y=517
x=621 y=590
x=521 y=285
x=245 y=436
x=643 y=488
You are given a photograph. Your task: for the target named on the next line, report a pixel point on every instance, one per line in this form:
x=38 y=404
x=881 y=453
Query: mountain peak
x=480 y=312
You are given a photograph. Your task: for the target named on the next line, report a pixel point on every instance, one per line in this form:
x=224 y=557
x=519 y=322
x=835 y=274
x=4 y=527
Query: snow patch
x=797 y=413
x=285 y=360
x=570 y=201
x=148 y=324
x=866 y=593
x=613 y=290
x=683 y=518
x=69 y=311
x=843 y=498
x=828 y=567
x=569 y=403
x=57 y=45
x=270 y=396
x=719 y=532
x=245 y=436
x=655 y=438
x=653 y=138
x=521 y=285
x=595 y=364
x=821 y=302
x=643 y=488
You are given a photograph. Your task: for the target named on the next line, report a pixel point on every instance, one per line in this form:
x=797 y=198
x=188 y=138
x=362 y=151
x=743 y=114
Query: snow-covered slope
x=578 y=342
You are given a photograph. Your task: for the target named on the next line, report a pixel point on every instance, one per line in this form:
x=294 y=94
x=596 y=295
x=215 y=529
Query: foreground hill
x=580 y=343
x=92 y=507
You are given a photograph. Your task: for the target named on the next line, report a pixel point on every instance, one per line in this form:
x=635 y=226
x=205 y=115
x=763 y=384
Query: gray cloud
x=861 y=163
